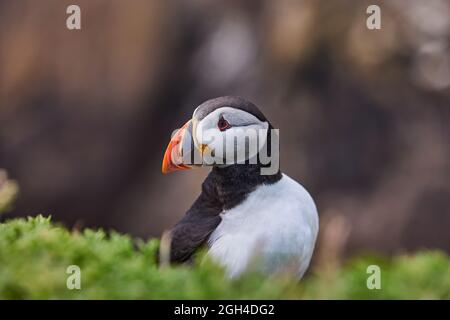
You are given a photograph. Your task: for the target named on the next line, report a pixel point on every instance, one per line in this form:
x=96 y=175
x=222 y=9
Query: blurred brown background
x=364 y=116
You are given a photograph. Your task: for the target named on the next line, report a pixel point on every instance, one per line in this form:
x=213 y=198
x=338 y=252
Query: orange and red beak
x=173 y=157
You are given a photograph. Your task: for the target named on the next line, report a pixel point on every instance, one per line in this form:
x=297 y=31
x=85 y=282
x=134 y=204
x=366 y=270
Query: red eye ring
x=223 y=124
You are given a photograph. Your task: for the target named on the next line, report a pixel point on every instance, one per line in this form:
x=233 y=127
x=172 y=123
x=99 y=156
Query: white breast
x=274 y=230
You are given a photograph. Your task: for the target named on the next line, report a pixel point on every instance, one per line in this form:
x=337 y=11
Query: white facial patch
x=242 y=141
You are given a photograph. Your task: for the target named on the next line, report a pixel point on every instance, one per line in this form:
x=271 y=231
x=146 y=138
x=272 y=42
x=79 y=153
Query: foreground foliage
x=35 y=254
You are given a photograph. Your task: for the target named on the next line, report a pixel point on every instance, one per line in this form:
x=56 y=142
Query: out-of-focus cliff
x=364 y=115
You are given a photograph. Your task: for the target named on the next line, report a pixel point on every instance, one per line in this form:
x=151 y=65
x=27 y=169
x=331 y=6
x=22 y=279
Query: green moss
x=35 y=253
x=425 y=275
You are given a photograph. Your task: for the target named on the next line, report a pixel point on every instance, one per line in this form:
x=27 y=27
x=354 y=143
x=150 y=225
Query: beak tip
x=169 y=165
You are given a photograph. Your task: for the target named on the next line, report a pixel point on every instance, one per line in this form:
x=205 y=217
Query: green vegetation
x=35 y=253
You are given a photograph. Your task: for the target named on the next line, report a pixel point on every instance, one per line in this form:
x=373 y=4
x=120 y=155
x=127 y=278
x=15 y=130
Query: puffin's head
x=222 y=131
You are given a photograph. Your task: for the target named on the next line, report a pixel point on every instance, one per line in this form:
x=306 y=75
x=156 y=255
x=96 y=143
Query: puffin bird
x=246 y=218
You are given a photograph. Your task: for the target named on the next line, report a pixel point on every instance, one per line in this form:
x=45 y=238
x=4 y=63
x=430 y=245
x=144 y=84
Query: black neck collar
x=234 y=182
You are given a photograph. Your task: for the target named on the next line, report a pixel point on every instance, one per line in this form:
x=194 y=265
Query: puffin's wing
x=195 y=227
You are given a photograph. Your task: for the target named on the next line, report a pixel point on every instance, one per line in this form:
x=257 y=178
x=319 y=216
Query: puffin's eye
x=223 y=124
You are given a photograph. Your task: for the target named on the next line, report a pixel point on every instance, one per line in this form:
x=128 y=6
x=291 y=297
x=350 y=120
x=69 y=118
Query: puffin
x=247 y=216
